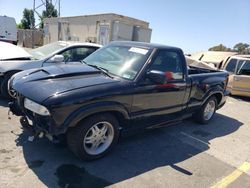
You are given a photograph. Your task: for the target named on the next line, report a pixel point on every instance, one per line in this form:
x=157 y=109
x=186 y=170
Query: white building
x=99 y=28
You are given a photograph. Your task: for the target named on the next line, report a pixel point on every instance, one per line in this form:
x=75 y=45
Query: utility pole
x=45 y=4
x=59 y=8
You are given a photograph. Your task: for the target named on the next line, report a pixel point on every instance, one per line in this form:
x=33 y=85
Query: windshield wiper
x=103 y=70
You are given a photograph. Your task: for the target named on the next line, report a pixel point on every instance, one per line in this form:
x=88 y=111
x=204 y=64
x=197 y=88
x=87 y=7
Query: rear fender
x=216 y=91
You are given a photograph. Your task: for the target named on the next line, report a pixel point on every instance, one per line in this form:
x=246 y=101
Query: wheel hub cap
x=98 y=138
x=209 y=110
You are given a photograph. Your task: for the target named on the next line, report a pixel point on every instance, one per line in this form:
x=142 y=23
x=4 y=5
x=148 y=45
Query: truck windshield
x=122 y=61
x=46 y=50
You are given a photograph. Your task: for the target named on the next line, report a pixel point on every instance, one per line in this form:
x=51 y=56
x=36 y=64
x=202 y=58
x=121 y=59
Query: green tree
x=242 y=48
x=28 y=20
x=19 y=26
x=220 y=47
x=48 y=13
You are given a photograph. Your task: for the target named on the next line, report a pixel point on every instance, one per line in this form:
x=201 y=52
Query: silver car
x=58 y=52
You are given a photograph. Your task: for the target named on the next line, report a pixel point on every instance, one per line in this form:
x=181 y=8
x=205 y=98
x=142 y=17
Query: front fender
x=85 y=111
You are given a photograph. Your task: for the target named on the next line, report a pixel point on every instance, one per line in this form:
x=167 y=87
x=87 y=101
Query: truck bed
x=195 y=70
x=204 y=82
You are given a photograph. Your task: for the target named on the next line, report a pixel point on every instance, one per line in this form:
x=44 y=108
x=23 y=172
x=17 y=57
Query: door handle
x=237 y=79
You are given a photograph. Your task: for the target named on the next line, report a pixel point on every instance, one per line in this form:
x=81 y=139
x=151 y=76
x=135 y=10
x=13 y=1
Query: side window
x=170 y=63
x=77 y=54
x=244 y=69
x=230 y=67
x=239 y=65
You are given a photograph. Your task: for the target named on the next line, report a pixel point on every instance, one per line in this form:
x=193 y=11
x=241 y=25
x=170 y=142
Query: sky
x=192 y=25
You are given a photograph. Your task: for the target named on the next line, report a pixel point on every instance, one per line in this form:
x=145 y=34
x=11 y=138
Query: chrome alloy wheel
x=209 y=110
x=98 y=138
x=11 y=91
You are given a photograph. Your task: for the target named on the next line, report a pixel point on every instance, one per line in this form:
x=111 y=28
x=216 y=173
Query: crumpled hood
x=40 y=84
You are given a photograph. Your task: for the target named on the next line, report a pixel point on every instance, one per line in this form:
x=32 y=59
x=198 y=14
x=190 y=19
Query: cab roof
x=241 y=56
x=76 y=43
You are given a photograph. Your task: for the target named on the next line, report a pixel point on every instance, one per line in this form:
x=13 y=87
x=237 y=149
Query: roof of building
x=102 y=15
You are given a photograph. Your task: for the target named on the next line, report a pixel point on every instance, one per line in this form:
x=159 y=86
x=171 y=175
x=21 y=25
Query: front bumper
x=34 y=122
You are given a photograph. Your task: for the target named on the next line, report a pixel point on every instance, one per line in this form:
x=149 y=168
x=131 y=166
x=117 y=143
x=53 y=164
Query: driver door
x=152 y=99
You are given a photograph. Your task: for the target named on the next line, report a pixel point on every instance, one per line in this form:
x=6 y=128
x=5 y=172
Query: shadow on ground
x=56 y=167
x=246 y=99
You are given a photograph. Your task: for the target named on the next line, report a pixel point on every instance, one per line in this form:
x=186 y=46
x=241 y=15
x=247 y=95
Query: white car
x=58 y=52
x=12 y=52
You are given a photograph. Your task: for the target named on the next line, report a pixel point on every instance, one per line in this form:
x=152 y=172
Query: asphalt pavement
x=182 y=155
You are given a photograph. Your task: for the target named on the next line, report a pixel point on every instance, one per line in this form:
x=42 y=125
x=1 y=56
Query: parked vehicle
x=8 y=29
x=214 y=58
x=239 y=79
x=120 y=88
x=199 y=64
x=58 y=52
x=11 y=52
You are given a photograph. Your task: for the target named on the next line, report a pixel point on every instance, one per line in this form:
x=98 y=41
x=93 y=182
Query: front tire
x=4 y=86
x=207 y=111
x=93 y=137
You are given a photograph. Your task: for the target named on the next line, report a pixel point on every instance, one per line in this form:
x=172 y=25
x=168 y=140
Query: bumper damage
x=29 y=125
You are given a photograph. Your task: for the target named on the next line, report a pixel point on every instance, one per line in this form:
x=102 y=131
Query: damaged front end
x=35 y=124
x=15 y=109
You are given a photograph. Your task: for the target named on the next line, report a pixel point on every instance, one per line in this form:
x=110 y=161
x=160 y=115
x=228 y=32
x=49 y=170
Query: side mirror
x=158 y=77
x=57 y=58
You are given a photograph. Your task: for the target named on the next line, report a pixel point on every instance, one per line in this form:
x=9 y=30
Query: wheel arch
x=12 y=72
x=116 y=109
x=217 y=94
x=218 y=97
x=4 y=82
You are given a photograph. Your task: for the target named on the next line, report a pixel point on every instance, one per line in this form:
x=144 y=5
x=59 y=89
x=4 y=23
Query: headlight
x=35 y=107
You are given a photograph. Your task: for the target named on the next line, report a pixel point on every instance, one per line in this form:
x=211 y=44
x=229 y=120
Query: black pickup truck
x=119 y=88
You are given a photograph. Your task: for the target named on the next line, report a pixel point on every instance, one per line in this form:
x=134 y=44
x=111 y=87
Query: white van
x=8 y=29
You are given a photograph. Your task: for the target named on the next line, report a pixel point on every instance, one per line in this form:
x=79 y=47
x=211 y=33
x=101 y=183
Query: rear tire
x=93 y=137
x=207 y=111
